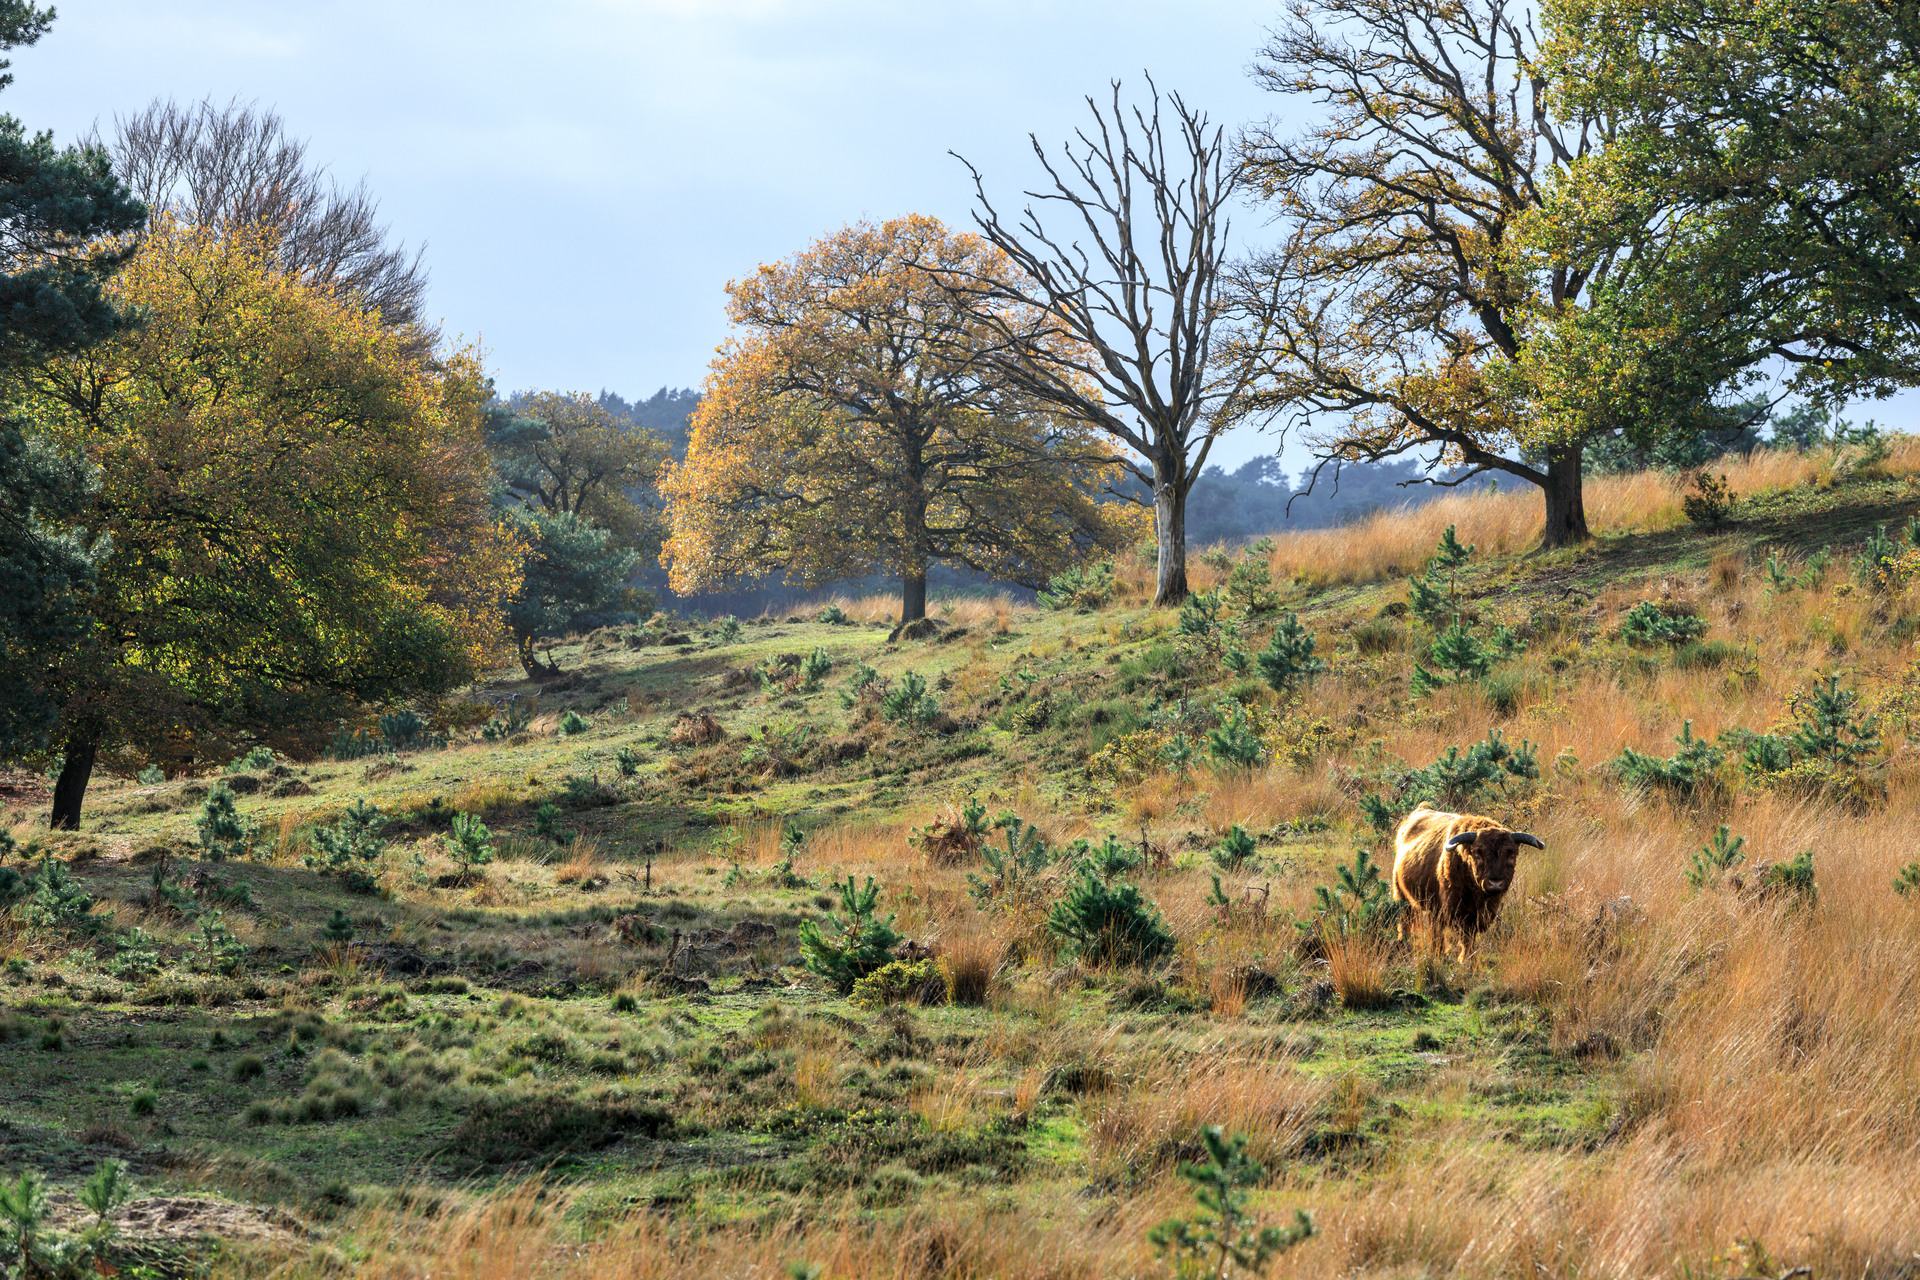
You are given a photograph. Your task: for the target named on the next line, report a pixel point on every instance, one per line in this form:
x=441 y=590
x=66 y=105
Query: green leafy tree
x=68 y=223
x=846 y=951
x=1775 y=135
x=574 y=570
x=570 y=455
x=47 y=572
x=296 y=503
x=1222 y=1236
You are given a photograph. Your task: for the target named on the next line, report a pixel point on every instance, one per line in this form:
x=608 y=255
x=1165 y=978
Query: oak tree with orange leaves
x=854 y=426
x=299 y=511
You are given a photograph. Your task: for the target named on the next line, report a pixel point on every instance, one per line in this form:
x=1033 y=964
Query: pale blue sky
x=588 y=174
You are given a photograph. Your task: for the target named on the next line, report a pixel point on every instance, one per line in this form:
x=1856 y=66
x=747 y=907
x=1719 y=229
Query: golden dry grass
x=1756 y=1069
x=1397 y=542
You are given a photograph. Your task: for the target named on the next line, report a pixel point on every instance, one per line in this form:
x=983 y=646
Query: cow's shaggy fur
x=1455 y=869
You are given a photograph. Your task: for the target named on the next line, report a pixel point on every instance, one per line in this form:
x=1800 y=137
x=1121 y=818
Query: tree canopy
x=1778 y=142
x=856 y=426
x=567 y=453
x=1399 y=314
x=299 y=511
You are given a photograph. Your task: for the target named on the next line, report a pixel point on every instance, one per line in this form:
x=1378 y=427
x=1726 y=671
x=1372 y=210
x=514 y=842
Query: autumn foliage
x=853 y=427
x=299 y=510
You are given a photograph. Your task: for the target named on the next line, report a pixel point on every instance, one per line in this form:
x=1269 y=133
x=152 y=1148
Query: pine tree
x=338 y=927
x=848 y=950
x=1828 y=730
x=1110 y=924
x=1221 y=1237
x=224 y=833
x=1236 y=849
x=1456 y=650
x=1288 y=658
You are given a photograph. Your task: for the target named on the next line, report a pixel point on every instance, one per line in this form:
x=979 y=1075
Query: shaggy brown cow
x=1455 y=869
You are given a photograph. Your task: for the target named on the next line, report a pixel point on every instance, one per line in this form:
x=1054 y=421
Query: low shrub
x=901 y=982
x=501 y=1131
x=1110 y=924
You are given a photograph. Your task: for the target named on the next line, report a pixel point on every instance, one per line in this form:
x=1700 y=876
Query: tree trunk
x=1170 y=540
x=913 y=596
x=71 y=788
x=1566 y=510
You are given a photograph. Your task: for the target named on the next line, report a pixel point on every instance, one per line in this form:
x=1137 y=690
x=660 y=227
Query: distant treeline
x=1258 y=497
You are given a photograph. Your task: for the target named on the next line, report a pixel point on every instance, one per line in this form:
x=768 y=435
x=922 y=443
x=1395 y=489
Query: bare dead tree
x=1113 y=322
x=236 y=165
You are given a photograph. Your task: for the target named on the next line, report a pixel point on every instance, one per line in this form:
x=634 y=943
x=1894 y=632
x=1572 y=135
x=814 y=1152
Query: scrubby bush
x=1647 y=625
x=1110 y=923
x=573 y=722
x=901 y=982
x=1084 y=587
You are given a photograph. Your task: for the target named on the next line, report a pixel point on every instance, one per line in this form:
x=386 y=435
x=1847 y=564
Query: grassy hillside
x=602 y=1054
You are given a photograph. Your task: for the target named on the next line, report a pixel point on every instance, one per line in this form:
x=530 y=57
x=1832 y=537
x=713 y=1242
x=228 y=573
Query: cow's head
x=1491 y=855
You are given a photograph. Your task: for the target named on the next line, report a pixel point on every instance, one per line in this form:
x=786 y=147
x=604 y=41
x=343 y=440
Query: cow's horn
x=1464 y=837
x=1521 y=837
